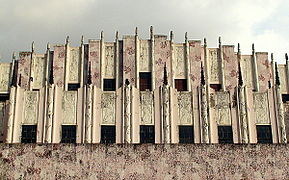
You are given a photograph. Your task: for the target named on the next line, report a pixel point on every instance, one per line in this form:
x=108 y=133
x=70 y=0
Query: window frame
x=112 y=82
x=145 y=77
x=225 y=137
x=73 y=134
x=28 y=133
x=107 y=135
x=266 y=140
x=184 y=86
x=186 y=134
x=147 y=134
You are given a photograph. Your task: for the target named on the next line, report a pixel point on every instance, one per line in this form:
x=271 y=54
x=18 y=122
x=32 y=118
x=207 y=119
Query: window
x=28 y=134
x=285 y=98
x=145 y=81
x=68 y=134
x=107 y=134
x=216 y=87
x=264 y=134
x=73 y=87
x=225 y=134
x=181 y=84
x=147 y=134
x=109 y=84
x=186 y=134
x=4 y=97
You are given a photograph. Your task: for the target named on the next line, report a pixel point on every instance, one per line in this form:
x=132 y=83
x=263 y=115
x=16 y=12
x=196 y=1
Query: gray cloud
x=264 y=22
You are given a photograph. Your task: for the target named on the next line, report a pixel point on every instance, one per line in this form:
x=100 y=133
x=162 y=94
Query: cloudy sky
x=263 y=22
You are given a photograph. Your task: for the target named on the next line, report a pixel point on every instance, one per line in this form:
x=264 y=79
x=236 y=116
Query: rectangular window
x=107 y=134
x=216 y=87
x=264 y=134
x=181 y=84
x=109 y=84
x=73 y=87
x=145 y=81
x=285 y=98
x=28 y=134
x=68 y=134
x=186 y=134
x=225 y=134
x=147 y=134
x=4 y=97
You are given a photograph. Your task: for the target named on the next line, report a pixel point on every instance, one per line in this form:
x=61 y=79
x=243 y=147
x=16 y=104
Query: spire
x=101 y=35
x=14 y=56
x=205 y=42
x=89 y=74
x=51 y=77
x=67 y=39
x=253 y=48
x=151 y=32
x=171 y=35
x=82 y=40
x=240 y=75
x=277 y=79
x=272 y=57
x=239 y=50
x=220 y=42
x=136 y=31
x=165 y=75
x=186 y=36
x=286 y=56
x=203 y=81
x=116 y=35
x=32 y=47
x=48 y=46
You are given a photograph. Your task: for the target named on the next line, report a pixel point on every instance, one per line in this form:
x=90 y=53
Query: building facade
x=144 y=91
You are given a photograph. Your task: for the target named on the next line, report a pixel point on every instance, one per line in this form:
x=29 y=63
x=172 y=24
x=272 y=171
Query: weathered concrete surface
x=144 y=161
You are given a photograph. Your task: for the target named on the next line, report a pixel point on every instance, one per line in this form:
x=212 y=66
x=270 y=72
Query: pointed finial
x=220 y=41
x=171 y=35
x=205 y=42
x=82 y=40
x=33 y=46
x=203 y=81
x=19 y=82
x=239 y=50
x=67 y=39
x=186 y=36
x=253 y=48
x=51 y=77
x=286 y=56
x=136 y=31
x=127 y=82
x=14 y=75
x=240 y=76
x=272 y=57
x=48 y=46
x=165 y=75
x=14 y=56
x=151 y=32
x=101 y=35
x=116 y=35
x=277 y=79
x=89 y=74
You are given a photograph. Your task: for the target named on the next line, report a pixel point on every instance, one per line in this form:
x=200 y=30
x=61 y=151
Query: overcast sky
x=263 y=22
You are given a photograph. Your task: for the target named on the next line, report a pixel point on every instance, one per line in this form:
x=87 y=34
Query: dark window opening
x=264 y=134
x=68 y=134
x=4 y=97
x=285 y=98
x=28 y=134
x=145 y=81
x=181 y=84
x=109 y=84
x=73 y=87
x=186 y=134
x=216 y=87
x=225 y=134
x=107 y=134
x=147 y=134
x=35 y=90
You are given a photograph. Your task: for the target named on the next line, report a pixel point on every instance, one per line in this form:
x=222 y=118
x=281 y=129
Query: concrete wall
x=144 y=161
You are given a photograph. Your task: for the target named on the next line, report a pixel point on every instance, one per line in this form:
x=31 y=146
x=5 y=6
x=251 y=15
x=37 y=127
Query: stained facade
x=144 y=91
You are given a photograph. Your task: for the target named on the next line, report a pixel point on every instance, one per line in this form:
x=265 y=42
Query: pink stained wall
x=129 y=59
x=264 y=70
x=24 y=69
x=94 y=59
x=196 y=56
x=58 y=65
x=162 y=56
x=230 y=67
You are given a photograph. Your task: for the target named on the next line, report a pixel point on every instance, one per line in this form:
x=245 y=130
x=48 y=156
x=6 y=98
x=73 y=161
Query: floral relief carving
x=4 y=76
x=185 y=107
x=261 y=108
x=30 y=107
x=144 y=62
x=146 y=99
x=74 y=64
x=179 y=62
x=108 y=108
x=69 y=100
x=213 y=59
x=109 y=62
x=223 y=108
x=39 y=66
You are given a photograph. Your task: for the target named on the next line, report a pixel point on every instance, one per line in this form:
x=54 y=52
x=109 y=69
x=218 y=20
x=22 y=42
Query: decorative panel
x=162 y=56
x=94 y=59
x=286 y=119
x=179 y=61
x=4 y=76
x=261 y=108
x=144 y=56
x=223 y=108
x=196 y=57
x=282 y=75
x=264 y=70
x=185 y=107
x=129 y=59
x=230 y=67
x=24 y=68
x=214 y=65
x=109 y=62
x=69 y=102
x=58 y=65
x=246 y=66
x=146 y=102
x=74 y=64
x=108 y=108
x=39 y=72
x=30 y=107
